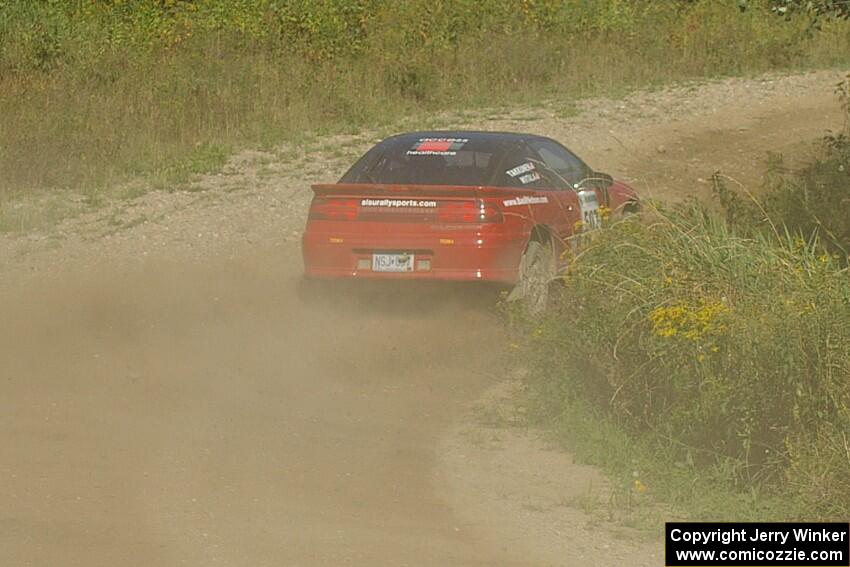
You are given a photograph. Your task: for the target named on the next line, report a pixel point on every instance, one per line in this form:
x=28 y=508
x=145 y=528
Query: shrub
x=724 y=353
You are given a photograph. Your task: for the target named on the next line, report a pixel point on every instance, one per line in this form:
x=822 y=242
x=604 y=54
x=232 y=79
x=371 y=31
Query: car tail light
x=468 y=211
x=323 y=208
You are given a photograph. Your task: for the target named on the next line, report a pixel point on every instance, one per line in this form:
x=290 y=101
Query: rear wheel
x=537 y=270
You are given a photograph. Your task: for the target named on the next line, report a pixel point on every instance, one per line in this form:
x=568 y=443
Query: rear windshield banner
x=437 y=146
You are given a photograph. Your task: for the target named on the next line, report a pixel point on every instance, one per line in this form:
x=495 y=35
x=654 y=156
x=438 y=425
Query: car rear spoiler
x=371 y=189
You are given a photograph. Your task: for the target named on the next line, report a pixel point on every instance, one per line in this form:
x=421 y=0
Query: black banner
x=757 y=544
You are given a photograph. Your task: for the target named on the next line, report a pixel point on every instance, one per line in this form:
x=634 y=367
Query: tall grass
x=94 y=92
x=720 y=352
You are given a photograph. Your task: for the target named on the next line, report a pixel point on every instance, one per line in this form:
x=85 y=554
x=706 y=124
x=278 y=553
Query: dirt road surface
x=168 y=398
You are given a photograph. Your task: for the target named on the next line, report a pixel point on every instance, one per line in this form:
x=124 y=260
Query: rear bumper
x=463 y=255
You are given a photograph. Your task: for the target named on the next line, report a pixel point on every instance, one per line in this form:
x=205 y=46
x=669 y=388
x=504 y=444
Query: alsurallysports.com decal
x=437 y=146
x=525 y=201
x=397 y=203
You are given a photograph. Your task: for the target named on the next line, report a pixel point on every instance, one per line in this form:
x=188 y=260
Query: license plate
x=392 y=262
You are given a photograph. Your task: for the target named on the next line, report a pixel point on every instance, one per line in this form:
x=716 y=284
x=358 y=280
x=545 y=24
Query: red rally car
x=489 y=206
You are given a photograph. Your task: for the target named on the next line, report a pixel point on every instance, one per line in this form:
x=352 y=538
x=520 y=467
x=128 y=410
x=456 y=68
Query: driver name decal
x=525 y=201
x=520 y=169
x=529 y=177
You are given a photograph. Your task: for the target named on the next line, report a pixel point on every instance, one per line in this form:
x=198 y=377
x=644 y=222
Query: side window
x=521 y=168
x=557 y=158
x=357 y=173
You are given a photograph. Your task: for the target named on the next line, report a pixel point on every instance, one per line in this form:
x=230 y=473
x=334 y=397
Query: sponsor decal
x=437 y=146
x=525 y=201
x=520 y=169
x=529 y=177
x=397 y=203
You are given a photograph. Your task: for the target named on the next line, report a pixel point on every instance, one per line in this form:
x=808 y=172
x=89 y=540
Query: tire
x=537 y=271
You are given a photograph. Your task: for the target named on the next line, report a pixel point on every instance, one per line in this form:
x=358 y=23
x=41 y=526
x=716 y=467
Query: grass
x=43 y=210
x=204 y=158
x=98 y=96
x=567 y=109
x=708 y=362
x=703 y=354
x=649 y=484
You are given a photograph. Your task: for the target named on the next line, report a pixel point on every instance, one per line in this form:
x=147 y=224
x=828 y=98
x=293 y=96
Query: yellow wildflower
x=693 y=322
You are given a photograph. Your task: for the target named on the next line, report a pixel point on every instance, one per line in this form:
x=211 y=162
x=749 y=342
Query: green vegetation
x=96 y=91
x=712 y=355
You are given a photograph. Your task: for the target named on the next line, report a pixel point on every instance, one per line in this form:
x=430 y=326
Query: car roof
x=479 y=134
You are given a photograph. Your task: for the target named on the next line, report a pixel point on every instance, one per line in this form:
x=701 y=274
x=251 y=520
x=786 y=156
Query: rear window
x=431 y=160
